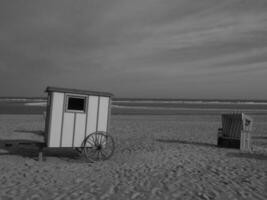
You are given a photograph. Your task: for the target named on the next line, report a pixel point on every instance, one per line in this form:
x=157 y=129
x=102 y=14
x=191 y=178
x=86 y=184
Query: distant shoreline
x=129 y=106
x=184 y=100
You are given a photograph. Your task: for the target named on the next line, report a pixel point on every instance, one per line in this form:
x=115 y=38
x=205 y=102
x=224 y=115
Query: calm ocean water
x=145 y=106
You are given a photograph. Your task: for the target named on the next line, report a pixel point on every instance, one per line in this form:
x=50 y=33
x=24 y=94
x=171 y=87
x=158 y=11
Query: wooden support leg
x=41 y=153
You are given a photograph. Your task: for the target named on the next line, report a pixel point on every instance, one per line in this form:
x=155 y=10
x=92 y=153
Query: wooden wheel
x=98 y=146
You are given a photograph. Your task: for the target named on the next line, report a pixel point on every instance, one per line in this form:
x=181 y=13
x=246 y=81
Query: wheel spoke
x=90 y=152
x=90 y=142
x=106 y=153
x=100 y=139
x=98 y=154
x=96 y=140
x=103 y=141
x=102 y=154
x=94 y=155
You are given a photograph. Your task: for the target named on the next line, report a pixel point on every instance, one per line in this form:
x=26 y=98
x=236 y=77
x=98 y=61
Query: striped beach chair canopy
x=234 y=123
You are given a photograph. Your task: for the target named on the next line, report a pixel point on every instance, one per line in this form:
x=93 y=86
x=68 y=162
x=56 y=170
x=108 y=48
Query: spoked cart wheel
x=98 y=146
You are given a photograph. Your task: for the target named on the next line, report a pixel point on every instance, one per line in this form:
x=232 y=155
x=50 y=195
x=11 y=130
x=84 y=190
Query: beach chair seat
x=236 y=131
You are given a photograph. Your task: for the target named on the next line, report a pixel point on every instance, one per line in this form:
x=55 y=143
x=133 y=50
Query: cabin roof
x=77 y=91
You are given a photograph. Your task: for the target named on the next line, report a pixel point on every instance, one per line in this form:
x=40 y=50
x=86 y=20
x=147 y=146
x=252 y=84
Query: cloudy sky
x=135 y=48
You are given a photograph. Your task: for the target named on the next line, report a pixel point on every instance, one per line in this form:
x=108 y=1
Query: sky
x=135 y=48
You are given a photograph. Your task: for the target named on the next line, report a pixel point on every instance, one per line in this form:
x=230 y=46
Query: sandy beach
x=162 y=72
x=156 y=157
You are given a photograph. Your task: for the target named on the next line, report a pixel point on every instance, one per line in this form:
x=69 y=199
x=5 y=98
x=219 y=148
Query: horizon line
x=150 y=99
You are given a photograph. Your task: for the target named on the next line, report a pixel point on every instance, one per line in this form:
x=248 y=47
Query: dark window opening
x=76 y=104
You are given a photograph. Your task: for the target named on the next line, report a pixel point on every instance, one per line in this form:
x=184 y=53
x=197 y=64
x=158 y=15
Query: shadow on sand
x=255 y=156
x=186 y=142
x=30 y=149
x=259 y=137
x=38 y=132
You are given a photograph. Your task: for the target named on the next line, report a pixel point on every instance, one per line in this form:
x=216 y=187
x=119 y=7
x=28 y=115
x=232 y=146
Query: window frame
x=68 y=96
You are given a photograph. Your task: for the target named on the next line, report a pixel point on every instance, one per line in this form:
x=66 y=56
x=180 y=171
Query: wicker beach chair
x=235 y=131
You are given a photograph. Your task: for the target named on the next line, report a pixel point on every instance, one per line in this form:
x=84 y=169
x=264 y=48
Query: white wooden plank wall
x=92 y=114
x=68 y=130
x=56 y=119
x=79 y=129
x=103 y=114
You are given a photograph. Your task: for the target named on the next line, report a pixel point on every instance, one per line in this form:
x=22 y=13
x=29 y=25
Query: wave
x=192 y=102
x=21 y=99
x=186 y=109
x=36 y=104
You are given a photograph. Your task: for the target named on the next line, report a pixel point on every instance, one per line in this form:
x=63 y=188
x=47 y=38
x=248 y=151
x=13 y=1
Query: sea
x=139 y=106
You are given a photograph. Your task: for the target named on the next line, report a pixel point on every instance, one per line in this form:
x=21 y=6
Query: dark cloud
x=133 y=48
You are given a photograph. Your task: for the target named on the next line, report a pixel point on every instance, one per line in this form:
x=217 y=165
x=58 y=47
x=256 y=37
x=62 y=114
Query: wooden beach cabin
x=77 y=119
x=74 y=114
x=235 y=131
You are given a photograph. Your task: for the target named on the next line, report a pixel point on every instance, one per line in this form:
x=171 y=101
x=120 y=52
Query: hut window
x=76 y=103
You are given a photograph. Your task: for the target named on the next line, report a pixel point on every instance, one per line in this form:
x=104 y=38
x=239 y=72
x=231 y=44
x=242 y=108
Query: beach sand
x=156 y=157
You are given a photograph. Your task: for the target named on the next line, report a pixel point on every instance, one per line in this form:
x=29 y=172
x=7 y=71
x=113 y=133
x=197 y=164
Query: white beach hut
x=74 y=114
